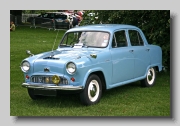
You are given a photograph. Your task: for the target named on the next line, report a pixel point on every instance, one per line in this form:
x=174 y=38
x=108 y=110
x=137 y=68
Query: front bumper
x=51 y=86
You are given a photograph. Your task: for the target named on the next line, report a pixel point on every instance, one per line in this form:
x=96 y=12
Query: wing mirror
x=29 y=52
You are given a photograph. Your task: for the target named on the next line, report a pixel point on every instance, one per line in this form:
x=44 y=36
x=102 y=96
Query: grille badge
x=46 y=69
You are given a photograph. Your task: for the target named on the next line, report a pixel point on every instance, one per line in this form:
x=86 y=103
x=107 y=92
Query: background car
x=52 y=19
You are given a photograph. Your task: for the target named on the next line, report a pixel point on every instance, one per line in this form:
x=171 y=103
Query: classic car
x=91 y=59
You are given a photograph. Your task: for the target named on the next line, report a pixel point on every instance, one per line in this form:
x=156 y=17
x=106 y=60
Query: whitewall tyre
x=150 y=79
x=92 y=91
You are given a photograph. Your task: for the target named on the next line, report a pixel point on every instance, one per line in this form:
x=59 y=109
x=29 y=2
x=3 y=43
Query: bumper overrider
x=51 y=86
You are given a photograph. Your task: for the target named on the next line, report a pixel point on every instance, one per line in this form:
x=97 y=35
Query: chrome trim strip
x=51 y=87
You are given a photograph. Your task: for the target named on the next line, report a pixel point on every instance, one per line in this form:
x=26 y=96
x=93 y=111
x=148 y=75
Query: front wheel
x=92 y=91
x=150 y=79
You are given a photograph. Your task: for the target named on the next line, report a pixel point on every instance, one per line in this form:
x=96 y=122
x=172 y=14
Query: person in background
x=75 y=21
x=79 y=17
x=12 y=26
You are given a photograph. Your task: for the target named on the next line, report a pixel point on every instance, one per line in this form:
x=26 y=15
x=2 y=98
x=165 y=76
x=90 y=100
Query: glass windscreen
x=85 y=39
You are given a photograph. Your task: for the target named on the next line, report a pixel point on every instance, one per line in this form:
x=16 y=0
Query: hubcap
x=151 y=76
x=93 y=90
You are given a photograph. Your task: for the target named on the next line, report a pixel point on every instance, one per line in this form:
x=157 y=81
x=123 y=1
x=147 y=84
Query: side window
x=119 y=39
x=50 y=15
x=135 y=38
x=45 y=15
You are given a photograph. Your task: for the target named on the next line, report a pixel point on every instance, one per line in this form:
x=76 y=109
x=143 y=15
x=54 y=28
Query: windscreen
x=86 y=39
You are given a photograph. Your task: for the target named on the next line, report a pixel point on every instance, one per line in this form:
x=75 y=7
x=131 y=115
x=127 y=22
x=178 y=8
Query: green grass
x=127 y=100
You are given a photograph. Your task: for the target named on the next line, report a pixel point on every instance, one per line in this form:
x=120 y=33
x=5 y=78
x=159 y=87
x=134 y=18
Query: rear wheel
x=150 y=79
x=92 y=92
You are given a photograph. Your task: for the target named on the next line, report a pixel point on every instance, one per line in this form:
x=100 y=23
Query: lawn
x=128 y=100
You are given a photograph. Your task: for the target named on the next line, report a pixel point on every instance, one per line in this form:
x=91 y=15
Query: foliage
x=154 y=23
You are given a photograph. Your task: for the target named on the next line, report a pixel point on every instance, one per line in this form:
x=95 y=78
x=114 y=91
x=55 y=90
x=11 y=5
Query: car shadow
x=73 y=100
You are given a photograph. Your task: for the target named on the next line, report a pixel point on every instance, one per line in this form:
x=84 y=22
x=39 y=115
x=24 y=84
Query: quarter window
x=135 y=38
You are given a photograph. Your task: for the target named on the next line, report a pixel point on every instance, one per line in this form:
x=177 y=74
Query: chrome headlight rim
x=71 y=68
x=25 y=66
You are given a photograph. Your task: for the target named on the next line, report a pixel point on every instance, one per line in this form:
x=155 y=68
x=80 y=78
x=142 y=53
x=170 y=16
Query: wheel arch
x=99 y=73
x=157 y=68
x=101 y=77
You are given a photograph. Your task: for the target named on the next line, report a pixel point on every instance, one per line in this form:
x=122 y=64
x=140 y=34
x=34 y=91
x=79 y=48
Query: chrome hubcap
x=151 y=76
x=93 y=90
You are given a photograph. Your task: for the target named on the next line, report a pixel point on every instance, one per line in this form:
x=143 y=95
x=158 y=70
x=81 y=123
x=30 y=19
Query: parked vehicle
x=91 y=59
x=56 y=19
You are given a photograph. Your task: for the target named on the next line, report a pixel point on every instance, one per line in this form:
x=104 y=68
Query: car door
x=122 y=58
x=140 y=53
x=40 y=18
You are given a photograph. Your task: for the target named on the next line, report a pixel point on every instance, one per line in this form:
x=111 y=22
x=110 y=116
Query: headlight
x=71 y=68
x=25 y=66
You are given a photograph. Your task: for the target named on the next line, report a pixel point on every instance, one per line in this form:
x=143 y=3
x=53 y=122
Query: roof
x=103 y=27
x=59 y=13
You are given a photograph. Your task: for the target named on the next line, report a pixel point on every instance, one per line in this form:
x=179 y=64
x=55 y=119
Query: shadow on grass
x=60 y=101
x=73 y=100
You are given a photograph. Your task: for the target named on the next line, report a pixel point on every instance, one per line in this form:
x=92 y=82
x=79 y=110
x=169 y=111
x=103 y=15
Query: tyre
x=32 y=96
x=92 y=91
x=150 y=79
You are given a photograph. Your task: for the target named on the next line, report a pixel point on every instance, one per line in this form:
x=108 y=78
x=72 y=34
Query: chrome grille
x=42 y=79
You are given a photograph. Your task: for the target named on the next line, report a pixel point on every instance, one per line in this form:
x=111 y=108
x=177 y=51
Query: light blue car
x=90 y=59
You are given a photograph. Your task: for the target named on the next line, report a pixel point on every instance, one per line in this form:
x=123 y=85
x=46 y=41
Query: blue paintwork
x=119 y=66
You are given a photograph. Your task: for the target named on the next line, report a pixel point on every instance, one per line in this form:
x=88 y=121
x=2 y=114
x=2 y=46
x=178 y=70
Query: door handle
x=147 y=49
x=131 y=50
